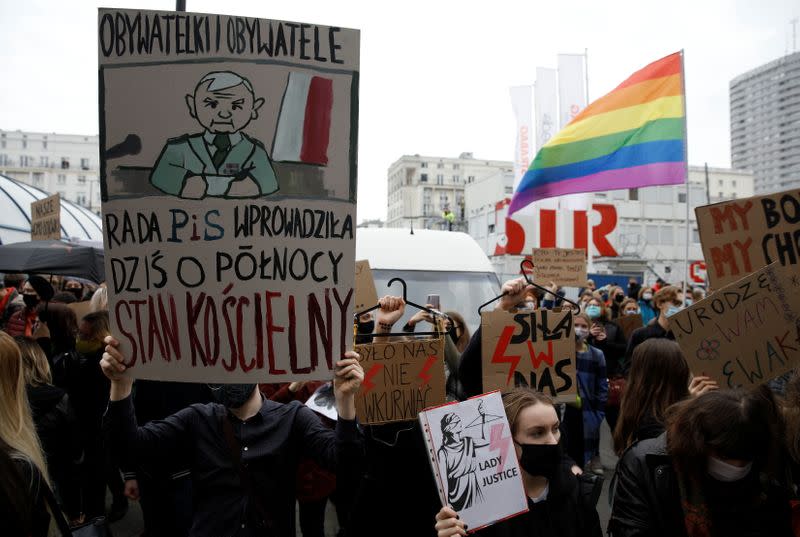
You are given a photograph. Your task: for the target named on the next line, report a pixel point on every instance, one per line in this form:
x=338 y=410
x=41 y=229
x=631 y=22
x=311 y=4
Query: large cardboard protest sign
x=745 y=333
x=532 y=349
x=228 y=174
x=366 y=294
x=564 y=266
x=629 y=323
x=744 y=235
x=473 y=460
x=46 y=218
x=400 y=379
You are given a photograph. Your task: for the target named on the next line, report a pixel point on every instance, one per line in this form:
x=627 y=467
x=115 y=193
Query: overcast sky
x=434 y=74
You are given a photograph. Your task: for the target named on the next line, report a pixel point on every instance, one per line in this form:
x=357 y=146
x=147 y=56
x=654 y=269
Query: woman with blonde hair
x=18 y=438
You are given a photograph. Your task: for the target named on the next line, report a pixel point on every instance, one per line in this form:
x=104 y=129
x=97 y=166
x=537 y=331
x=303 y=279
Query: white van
x=446 y=263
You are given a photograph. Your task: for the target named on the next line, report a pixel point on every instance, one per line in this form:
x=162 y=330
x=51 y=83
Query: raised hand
x=515 y=293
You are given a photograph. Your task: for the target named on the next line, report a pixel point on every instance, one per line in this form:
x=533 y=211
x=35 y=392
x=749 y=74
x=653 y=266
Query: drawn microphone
x=131 y=145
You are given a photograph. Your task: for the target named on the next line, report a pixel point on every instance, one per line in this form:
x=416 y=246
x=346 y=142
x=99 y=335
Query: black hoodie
x=58 y=431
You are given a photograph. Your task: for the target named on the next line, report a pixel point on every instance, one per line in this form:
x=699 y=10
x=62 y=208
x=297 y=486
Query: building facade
x=421 y=189
x=765 y=124
x=66 y=164
x=635 y=231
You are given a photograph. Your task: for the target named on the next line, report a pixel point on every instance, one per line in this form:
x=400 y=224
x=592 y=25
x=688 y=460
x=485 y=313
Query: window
x=38 y=178
x=720 y=182
x=456 y=166
x=423 y=178
x=43 y=162
x=80 y=198
x=695 y=236
x=509 y=190
x=424 y=165
x=681 y=197
x=667 y=235
x=456 y=179
x=633 y=194
x=491 y=228
x=44 y=143
x=439 y=166
x=733 y=183
x=82 y=179
x=62 y=194
x=84 y=163
x=651 y=234
x=62 y=179
x=471 y=179
x=64 y=163
x=439 y=179
x=24 y=141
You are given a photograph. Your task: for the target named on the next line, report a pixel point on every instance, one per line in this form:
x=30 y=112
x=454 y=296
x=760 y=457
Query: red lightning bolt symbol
x=500 y=357
x=498 y=441
x=424 y=375
x=373 y=370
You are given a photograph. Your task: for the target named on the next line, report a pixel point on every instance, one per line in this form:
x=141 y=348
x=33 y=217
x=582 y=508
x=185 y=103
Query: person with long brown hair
x=557 y=506
x=18 y=438
x=659 y=377
x=716 y=471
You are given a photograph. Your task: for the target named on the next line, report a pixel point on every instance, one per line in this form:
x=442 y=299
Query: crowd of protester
x=247 y=459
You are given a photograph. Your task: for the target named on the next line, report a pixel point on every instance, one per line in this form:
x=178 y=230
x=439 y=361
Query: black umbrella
x=54 y=257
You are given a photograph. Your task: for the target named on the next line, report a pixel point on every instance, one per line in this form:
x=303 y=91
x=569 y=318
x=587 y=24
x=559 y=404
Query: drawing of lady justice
x=458 y=457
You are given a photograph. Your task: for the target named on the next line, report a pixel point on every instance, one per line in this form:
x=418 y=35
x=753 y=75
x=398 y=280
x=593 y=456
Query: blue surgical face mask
x=593 y=311
x=689 y=301
x=673 y=310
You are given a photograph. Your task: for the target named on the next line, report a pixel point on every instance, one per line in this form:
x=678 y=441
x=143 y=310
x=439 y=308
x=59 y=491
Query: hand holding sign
x=702 y=384
x=113 y=366
x=392 y=308
x=514 y=291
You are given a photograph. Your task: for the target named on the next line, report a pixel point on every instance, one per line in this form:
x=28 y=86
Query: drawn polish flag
x=304 y=123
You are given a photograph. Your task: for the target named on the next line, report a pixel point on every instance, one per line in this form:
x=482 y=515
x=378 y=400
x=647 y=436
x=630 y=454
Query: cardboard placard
x=228 y=170
x=473 y=460
x=532 y=349
x=746 y=333
x=629 y=323
x=366 y=294
x=46 y=219
x=563 y=266
x=744 y=235
x=400 y=379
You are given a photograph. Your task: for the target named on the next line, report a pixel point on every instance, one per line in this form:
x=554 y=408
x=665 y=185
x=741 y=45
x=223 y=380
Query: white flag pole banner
x=522 y=105
x=228 y=175
x=473 y=459
x=571 y=102
x=546 y=117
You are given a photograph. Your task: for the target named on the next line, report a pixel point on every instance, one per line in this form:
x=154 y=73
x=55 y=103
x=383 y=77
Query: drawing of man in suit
x=222 y=161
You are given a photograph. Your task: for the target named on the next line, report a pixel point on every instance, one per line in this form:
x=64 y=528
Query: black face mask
x=77 y=292
x=31 y=301
x=540 y=459
x=232 y=395
x=620 y=297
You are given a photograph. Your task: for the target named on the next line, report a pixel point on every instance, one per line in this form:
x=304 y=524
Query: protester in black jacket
x=557 y=504
x=667 y=301
x=56 y=425
x=243 y=450
x=715 y=472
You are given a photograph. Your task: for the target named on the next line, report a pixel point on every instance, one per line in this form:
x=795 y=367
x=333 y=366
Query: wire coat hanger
x=435 y=313
x=576 y=308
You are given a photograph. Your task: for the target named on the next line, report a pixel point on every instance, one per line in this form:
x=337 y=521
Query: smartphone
x=433 y=300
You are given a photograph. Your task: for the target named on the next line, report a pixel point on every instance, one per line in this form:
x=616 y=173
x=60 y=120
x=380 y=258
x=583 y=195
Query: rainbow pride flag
x=634 y=136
